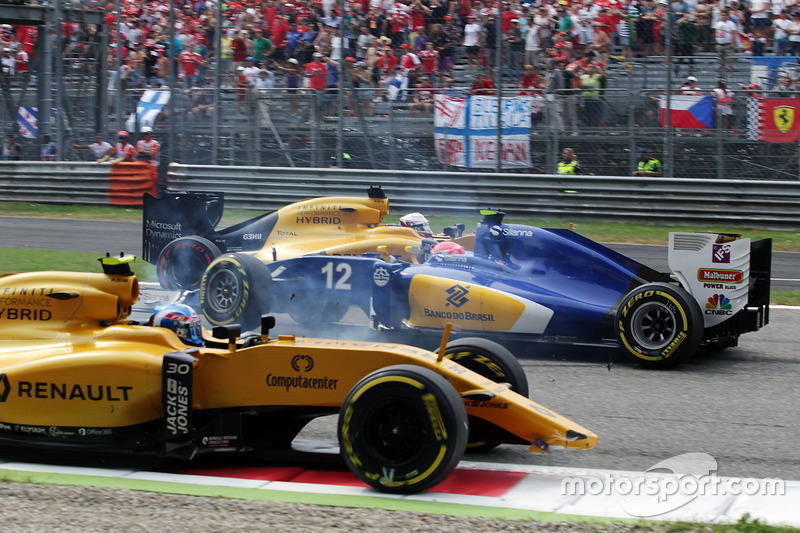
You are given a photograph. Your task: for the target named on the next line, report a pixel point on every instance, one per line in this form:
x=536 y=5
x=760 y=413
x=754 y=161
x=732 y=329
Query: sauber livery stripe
x=435 y=301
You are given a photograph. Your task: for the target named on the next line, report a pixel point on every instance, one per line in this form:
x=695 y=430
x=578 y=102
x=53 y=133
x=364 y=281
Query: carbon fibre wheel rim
x=224 y=291
x=395 y=432
x=654 y=325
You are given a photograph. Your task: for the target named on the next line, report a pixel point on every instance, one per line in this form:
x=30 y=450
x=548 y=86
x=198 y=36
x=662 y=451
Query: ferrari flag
x=689 y=112
x=466 y=131
x=773 y=119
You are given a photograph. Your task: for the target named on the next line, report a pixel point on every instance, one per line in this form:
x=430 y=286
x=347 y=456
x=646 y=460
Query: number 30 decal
x=344 y=270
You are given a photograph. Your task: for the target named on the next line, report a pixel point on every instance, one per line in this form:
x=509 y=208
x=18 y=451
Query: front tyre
x=492 y=361
x=236 y=290
x=181 y=263
x=402 y=429
x=659 y=325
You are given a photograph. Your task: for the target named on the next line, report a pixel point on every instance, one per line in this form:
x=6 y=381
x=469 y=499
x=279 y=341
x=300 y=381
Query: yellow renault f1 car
x=74 y=373
x=180 y=237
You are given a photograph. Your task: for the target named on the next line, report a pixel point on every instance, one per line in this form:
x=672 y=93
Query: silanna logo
x=457 y=296
x=719 y=304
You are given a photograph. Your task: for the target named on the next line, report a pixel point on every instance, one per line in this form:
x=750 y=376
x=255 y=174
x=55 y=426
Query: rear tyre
x=181 y=263
x=402 y=429
x=236 y=290
x=659 y=325
x=493 y=361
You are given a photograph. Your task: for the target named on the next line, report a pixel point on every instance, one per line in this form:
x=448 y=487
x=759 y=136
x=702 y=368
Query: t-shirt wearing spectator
x=100 y=148
x=317 y=73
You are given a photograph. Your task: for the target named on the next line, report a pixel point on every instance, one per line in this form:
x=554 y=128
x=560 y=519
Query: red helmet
x=448 y=248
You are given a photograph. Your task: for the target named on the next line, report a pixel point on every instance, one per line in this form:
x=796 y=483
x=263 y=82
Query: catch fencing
x=302 y=129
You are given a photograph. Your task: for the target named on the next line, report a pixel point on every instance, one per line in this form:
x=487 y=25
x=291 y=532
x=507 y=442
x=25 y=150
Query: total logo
x=719 y=304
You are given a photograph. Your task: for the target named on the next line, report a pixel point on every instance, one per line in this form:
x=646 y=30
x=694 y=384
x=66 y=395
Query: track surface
x=741 y=405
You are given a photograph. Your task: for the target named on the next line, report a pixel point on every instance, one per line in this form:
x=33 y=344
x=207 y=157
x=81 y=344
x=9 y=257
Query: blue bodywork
x=581 y=281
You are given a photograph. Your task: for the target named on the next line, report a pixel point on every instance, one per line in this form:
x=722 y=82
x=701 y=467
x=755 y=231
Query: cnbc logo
x=719 y=304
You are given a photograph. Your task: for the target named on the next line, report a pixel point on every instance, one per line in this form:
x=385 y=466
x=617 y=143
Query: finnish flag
x=397 y=87
x=148 y=108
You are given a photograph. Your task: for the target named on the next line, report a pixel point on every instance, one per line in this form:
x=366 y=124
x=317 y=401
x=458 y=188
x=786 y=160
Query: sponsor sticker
x=717 y=275
x=721 y=253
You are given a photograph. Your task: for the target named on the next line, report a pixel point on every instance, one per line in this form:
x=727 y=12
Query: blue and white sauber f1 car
x=522 y=281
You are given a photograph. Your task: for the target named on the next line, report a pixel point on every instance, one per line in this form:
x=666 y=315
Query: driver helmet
x=418 y=222
x=181 y=319
x=448 y=248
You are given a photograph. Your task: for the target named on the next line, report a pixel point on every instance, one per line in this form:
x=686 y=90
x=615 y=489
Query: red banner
x=779 y=120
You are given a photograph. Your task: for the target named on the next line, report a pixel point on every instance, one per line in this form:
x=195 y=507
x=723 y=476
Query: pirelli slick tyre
x=493 y=361
x=659 y=325
x=402 y=429
x=235 y=290
x=181 y=263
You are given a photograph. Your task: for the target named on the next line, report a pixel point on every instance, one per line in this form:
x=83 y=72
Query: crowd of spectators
x=548 y=46
x=423 y=37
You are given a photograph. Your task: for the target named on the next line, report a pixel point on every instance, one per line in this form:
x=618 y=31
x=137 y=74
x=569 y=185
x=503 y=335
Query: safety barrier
x=76 y=183
x=129 y=181
x=753 y=203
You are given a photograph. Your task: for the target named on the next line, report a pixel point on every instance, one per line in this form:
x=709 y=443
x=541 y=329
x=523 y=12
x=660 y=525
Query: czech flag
x=689 y=112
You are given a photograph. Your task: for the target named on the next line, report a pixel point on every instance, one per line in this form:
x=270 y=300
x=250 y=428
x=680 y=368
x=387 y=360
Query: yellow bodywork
x=69 y=359
x=337 y=226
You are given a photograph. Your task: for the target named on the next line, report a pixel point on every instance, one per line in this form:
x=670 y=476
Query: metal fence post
x=316 y=106
x=257 y=127
x=392 y=145
x=631 y=137
x=720 y=146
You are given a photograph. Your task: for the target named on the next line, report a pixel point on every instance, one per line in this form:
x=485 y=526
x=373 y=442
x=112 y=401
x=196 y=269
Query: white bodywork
x=716 y=273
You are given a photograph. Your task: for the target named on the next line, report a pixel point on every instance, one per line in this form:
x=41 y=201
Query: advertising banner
x=466 y=131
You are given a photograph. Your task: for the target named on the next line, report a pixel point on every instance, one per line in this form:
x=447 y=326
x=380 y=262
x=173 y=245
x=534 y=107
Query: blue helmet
x=181 y=319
